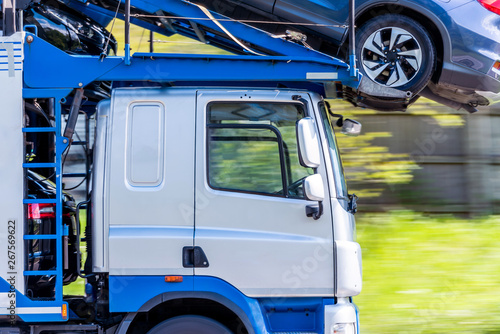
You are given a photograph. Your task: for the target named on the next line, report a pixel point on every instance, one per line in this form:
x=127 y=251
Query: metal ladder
x=50 y=309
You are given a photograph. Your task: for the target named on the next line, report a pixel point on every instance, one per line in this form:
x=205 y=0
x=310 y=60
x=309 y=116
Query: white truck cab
x=239 y=187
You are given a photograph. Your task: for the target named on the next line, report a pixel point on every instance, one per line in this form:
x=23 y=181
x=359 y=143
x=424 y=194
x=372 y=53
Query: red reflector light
x=491 y=5
x=497 y=65
x=41 y=211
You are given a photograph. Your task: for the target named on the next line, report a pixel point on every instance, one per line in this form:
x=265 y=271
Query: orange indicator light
x=173 y=279
x=64 y=311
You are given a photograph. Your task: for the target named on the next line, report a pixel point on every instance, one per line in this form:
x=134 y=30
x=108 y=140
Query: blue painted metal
x=47 y=201
x=44 y=64
x=44 y=73
x=354 y=72
x=39 y=130
x=22 y=301
x=39 y=165
x=131 y=293
x=31 y=26
x=287 y=63
x=40 y=272
x=61 y=145
x=294 y=314
x=250 y=306
x=104 y=16
x=255 y=38
x=40 y=237
x=58 y=93
x=127 y=54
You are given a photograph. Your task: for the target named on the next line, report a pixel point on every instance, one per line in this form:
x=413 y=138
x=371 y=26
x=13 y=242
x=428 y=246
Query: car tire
x=395 y=51
x=189 y=324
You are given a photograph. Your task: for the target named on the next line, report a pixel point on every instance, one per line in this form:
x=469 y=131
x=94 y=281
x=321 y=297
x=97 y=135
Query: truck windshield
x=338 y=171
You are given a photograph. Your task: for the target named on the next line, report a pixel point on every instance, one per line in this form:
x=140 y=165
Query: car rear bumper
x=475 y=47
x=455 y=75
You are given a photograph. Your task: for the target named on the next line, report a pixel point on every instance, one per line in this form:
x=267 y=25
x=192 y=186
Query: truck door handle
x=194 y=257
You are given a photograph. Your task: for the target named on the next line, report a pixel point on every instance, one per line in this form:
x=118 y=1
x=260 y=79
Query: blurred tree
x=370 y=168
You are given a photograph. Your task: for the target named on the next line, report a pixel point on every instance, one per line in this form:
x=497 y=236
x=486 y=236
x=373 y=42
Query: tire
x=395 y=51
x=189 y=324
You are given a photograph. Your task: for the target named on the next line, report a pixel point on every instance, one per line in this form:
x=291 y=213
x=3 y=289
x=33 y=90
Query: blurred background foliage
x=429 y=274
x=429 y=182
x=368 y=163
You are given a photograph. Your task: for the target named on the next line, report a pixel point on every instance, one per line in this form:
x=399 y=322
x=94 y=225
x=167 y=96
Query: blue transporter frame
x=198 y=70
x=51 y=73
x=187 y=14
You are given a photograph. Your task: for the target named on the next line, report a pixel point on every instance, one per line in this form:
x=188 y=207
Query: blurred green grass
x=429 y=274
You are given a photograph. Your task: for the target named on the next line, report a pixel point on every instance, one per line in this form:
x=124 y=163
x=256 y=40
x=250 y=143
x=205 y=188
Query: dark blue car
x=446 y=50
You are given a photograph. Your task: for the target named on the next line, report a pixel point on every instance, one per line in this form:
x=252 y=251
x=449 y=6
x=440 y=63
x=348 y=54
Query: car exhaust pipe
x=428 y=93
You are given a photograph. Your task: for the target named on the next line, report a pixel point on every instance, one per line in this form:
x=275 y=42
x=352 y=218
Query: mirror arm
x=340 y=121
x=315 y=211
x=353 y=203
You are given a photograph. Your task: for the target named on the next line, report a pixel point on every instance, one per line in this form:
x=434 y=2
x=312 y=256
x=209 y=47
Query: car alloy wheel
x=395 y=51
x=391 y=57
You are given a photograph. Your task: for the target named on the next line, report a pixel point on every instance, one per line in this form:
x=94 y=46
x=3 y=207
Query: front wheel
x=395 y=51
x=189 y=324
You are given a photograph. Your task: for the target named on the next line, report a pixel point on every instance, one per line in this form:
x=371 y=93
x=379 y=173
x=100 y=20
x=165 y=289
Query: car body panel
x=469 y=33
x=329 y=12
x=475 y=35
x=263 y=5
x=69 y=30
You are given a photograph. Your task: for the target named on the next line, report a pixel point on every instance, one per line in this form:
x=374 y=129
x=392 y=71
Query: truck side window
x=252 y=147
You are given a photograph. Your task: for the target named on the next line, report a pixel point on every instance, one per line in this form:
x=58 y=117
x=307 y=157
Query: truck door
x=251 y=228
x=150 y=181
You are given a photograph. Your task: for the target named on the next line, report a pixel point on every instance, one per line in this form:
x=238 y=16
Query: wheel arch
x=430 y=21
x=171 y=304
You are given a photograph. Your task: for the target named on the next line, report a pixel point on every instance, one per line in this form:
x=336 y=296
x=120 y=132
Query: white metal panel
x=11 y=153
x=348 y=268
x=164 y=245
x=145 y=144
x=263 y=245
x=99 y=224
x=163 y=215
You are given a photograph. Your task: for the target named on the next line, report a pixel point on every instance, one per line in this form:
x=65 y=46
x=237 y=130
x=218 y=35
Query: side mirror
x=351 y=127
x=307 y=138
x=314 y=191
x=313 y=188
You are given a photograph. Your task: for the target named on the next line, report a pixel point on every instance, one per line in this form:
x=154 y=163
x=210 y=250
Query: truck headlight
x=349 y=328
x=340 y=318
